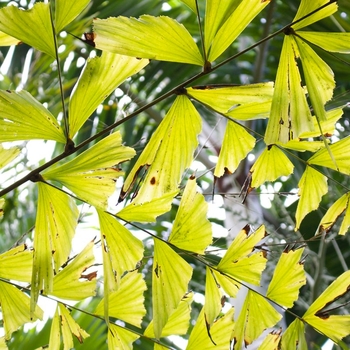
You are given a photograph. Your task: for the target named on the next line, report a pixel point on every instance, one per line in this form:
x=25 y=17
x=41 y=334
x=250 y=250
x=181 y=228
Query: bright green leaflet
x=8 y=40
x=7 y=155
x=66 y=11
x=191 y=4
x=271 y=341
x=333 y=42
x=158 y=38
x=120 y=338
x=295 y=336
x=55 y=332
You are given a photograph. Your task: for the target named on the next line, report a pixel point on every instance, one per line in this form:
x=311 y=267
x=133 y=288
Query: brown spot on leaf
x=90 y=276
x=89 y=38
x=153 y=181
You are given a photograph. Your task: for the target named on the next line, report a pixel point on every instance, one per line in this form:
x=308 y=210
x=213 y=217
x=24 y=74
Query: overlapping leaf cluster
x=127 y=44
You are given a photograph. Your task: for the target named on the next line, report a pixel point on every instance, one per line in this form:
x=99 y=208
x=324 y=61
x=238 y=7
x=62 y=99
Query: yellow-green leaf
x=294 y=336
x=68 y=284
x=333 y=213
x=191 y=4
x=15 y=309
x=16 y=264
x=191 y=229
x=158 y=38
x=335 y=327
x=236 y=145
x=168 y=153
x=220 y=333
x=340 y=151
x=170 y=277
x=256 y=316
x=22 y=117
x=16 y=22
x=2 y=203
x=223 y=99
x=234 y=25
x=3 y=345
x=96 y=83
x=307 y=6
x=178 y=322
x=66 y=11
x=55 y=332
x=312 y=187
x=240 y=262
x=7 y=155
x=333 y=42
x=55 y=225
x=271 y=164
x=250 y=111
x=126 y=303
x=120 y=338
x=8 y=40
x=287 y=279
x=302 y=146
x=92 y=174
x=69 y=328
x=229 y=285
x=271 y=341
x=147 y=211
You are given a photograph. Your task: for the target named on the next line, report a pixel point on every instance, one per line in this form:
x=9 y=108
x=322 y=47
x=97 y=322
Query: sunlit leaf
x=288 y=278
x=120 y=338
x=239 y=261
x=220 y=333
x=237 y=143
x=55 y=225
x=22 y=117
x=92 y=174
x=170 y=277
x=69 y=328
x=167 y=154
x=15 y=309
x=55 y=332
x=7 y=155
x=271 y=164
x=126 y=303
x=158 y=38
x=191 y=4
x=223 y=99
x=256 y=315
x=312 y=187
x=234 y=25
x=8 y=40
x=294 y=336
x=307 y=7
x=2 y=203
x=229 y=285
x=16 y=264
x=66 y=11
x=15 y=22
x=191 y=229
x=147 y=211
x=302 y=146
x=340 y=151
x=71 y=283
x=333 y=213
x=99 y=78
x=333 y=42
x=250 y=111
x=271 y=341
x=178 y=322
x=318 y=314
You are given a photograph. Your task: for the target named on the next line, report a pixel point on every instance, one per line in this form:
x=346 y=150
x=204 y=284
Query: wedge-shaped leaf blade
x=333 y=42
x=56 y=220
x=271 y=164
x=318 y=315
x=287 y=279
x=170 y=277
x=24 y=118
x=252 y=321
x=235 y=147
x=223 y=99
x=148 y=211
x=339 y=151
x=66 y=11
x=69 y=328
x=8 y=40
x=333 y=213
x=306 y=7
x=229 y=285
x=99 y=78
x=271 y=341
x=71 y=283
x=168 y=153
x=240 y=262
x=16 y=264
x=294 y=336
x=312 y=187
x=92 y=174
x=178 y=322
x=220 y=333
x=159 y=38
x=55 y=332
x=7 y=155
x=15 y=22
x=15 y=309
x=126 y=303
x=120 y=338
x=191 y=4
x=191 y=229
x=234 y=25
x=250 y=111
x=302 y=146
